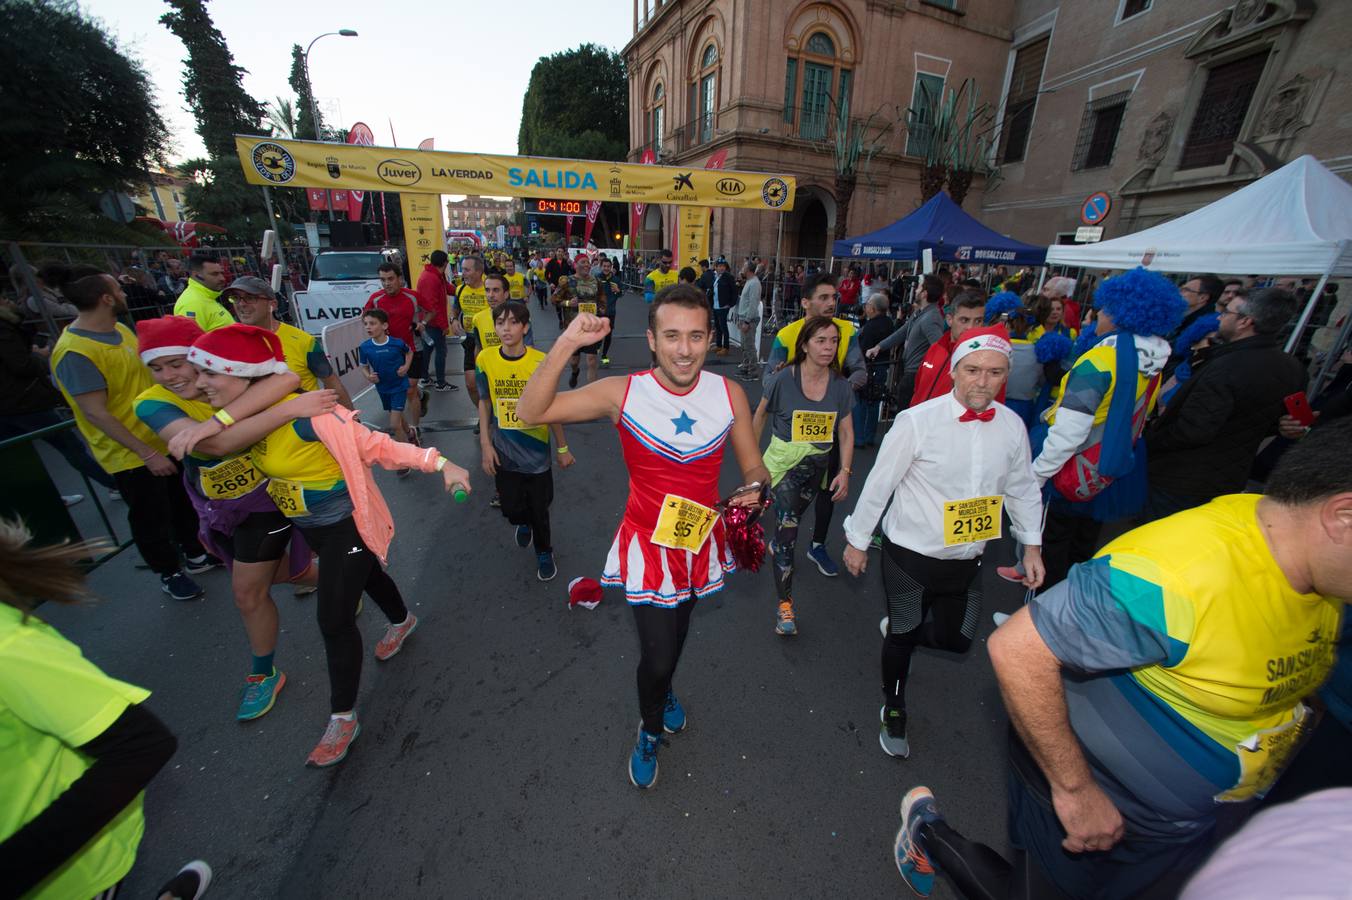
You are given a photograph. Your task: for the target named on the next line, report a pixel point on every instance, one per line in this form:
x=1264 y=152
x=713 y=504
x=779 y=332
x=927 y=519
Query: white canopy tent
x=1295 y=221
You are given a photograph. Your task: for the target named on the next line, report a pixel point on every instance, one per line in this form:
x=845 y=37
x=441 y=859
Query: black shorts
x=590 y=349
x=418 y=369
x=471 y=351
x=262 y=537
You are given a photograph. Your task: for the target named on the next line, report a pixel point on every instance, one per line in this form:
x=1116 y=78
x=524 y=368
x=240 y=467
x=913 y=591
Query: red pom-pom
x=746 y=537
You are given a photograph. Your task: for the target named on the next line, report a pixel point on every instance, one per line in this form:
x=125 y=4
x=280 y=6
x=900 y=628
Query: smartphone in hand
x=1298 y=408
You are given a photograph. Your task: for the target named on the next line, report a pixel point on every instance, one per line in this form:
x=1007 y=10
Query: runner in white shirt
x=949 y=466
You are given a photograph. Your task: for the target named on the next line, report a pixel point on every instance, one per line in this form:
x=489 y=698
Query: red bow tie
x=970 y=416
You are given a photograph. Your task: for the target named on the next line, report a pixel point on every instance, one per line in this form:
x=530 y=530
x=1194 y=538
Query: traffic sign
x=1095 y=208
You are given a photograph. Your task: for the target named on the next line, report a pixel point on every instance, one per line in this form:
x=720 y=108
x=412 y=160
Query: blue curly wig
x=1142 y=302
x=1195 y=332
x=1001 y=303
x=1052 y=347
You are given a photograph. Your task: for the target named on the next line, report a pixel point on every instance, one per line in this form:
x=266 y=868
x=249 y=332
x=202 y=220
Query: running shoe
x=424 y=383
x=1013 y=574
x=876 y=542
x=260 y=693
x=190 y=883
x=196 y=565
x=305 y=590
x=882 y=625
x=476 y=429
x=572 y=378
x=496 y=502
x=523 y=536
x=892 y=732
x=917 y=809
x=446 y=386
x=72 y=499
x=643 y=759
x=673 y=715
x=415 y=435
x=333 y=746
x=424 y=398
x=784 y=621
x=545 y=569
x=180 y=587
x=825 y=564
x=114 y=495
x=999 y=618
x=394 y=638
x=605 y=362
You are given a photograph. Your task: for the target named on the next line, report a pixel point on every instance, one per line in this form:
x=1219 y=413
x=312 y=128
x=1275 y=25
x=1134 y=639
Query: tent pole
x=1041 y=277
x=776 y=289
x=1335 y=351
x=1314 y=299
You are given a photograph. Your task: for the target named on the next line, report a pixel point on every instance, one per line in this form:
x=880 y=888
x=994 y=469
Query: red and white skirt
x=661 y=576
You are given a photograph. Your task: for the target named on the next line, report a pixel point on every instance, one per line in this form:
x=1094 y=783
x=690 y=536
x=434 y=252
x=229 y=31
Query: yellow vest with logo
x=125 y=377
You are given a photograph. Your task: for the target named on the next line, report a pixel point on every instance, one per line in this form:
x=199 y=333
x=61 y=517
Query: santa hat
x=240 y=350
x=167 y=336
x=994 y=337
x=585 y=592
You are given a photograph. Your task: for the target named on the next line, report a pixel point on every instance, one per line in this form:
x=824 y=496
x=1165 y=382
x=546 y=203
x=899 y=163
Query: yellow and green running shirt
x=501 y=380
x=304 y=356
x=783 y=349
x=53 y=700
x=305 y=481
x=230 y=478
x=659 y=279
x=1186 y=653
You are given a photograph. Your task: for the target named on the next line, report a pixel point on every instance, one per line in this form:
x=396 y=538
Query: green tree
x=79 y=119
x=577 y=106
x=306 y=129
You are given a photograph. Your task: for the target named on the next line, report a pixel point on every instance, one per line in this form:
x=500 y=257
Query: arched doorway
x=654 y=235
x=812 y=228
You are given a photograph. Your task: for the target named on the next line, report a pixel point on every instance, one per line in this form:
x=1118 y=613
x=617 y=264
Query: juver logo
x=399 y=171
x=273 y=162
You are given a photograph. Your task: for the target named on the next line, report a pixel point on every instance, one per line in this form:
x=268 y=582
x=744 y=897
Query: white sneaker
x=71 y=499
x=882 y=625
x=1000 y=618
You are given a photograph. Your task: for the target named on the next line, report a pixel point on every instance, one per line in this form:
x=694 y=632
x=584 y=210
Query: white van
x=340 y=283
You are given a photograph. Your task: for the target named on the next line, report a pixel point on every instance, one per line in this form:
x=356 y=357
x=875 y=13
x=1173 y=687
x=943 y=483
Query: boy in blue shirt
x=386 y=361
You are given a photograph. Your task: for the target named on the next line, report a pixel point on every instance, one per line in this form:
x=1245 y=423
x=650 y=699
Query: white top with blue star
x=681 y=427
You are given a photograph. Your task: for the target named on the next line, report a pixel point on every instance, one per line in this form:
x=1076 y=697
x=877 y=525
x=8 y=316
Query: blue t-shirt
x=385 y=360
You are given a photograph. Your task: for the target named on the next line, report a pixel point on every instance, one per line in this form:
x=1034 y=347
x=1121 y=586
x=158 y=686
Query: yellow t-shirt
x=230 y=478
x=124 y=377
x=471 y=300
x=787 y=338
x=298 y=346
x=516 y=286
x=303 y=472
x=53 y=701
x=662 y=279
x=482 y=326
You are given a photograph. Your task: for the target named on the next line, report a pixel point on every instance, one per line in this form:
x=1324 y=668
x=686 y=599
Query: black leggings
x=661 y=636
x=824 y=506
x=1066 y=541
x=161 y=516
x=792 y=495
x=605 y=345
x=343 y=575
x=931 y=603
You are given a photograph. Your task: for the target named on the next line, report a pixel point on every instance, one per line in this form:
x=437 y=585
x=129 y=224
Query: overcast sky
x=448 y=70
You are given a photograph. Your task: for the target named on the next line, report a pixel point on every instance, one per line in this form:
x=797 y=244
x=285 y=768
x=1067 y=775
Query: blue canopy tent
x=954 y=236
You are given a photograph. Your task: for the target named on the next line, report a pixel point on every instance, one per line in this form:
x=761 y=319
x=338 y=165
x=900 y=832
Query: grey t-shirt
x=784 y=394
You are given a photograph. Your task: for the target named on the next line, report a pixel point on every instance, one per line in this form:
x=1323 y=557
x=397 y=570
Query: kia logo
x=399 y=172
x=730 y=187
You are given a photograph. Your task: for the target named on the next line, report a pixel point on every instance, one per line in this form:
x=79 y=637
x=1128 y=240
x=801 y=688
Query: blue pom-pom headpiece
x=1142 y=302
x=1052 y=347
x=1002 y=303
x=1195 y=332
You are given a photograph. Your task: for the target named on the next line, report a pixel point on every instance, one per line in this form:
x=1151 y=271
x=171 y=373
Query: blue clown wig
x=1195 y=332
x=1142 y=302
x=1002 y=303
x=1052 y=347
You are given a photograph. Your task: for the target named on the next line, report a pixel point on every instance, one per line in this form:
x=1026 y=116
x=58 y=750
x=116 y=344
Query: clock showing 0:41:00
x=556 y=207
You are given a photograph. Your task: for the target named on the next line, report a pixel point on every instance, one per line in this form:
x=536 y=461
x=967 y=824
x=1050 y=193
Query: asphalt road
x=493 y=748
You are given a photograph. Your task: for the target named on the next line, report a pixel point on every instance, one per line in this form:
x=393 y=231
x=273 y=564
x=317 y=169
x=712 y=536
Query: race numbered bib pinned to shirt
x=1264 y=755
x=289 y=497
x=972 y=520
x=811 y=427
x=683 y=524
x=230 y=480
x=507 y=417
x=587 y=308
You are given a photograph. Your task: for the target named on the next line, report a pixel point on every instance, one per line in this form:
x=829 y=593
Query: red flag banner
x=428 y=144
x=318 y=197
x=340 y=201
x=593 y=210
x=567 y=228
x=354 y=205
x=361 y=133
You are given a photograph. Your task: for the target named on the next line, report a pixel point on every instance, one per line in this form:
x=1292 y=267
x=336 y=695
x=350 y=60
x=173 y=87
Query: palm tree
x=852 y=149
x=958 y=140
x=281 y=118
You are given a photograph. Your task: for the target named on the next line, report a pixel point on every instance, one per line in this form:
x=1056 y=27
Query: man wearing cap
x=950 y=467
x=256 y=305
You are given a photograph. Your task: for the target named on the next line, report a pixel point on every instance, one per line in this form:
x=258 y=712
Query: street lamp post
x=314 y=113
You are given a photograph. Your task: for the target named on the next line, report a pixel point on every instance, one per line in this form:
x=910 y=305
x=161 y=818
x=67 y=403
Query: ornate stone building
x=1163 y=106
x=762 y=83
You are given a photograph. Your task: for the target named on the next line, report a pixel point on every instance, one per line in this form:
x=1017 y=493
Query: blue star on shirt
x=684 y=424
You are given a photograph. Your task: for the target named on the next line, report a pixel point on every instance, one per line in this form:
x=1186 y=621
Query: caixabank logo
x=274 y=162
x=399 y=172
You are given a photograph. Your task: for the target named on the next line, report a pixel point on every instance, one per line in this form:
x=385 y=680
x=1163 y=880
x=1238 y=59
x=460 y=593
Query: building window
x=656 y=118
x=704 y=96
x=825 y=87
x=1098 y=131
x=1221 y=110
x=1024 y=81
x=925 y=98
x=1129 y=8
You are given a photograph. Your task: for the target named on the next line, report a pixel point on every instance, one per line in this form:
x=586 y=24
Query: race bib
x=811 y=427
x=1264 y=755
x=683 y=524
x=289 y=497
x=587 y=308
x=507 y=417
x=972 y=520
x=230 y=480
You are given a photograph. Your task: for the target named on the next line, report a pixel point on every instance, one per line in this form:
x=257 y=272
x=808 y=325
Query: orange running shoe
x=333 y=746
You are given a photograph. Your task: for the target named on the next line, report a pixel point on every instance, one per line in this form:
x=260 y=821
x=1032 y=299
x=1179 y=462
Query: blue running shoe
x=546 y=570
x=180 y=586
x=260 y=692
x=673 y=715
x=523 y=536
x=917 y=808
x=643 y=760
x=825 y=564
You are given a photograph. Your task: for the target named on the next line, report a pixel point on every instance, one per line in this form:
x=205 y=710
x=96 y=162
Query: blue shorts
x=393 y=400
